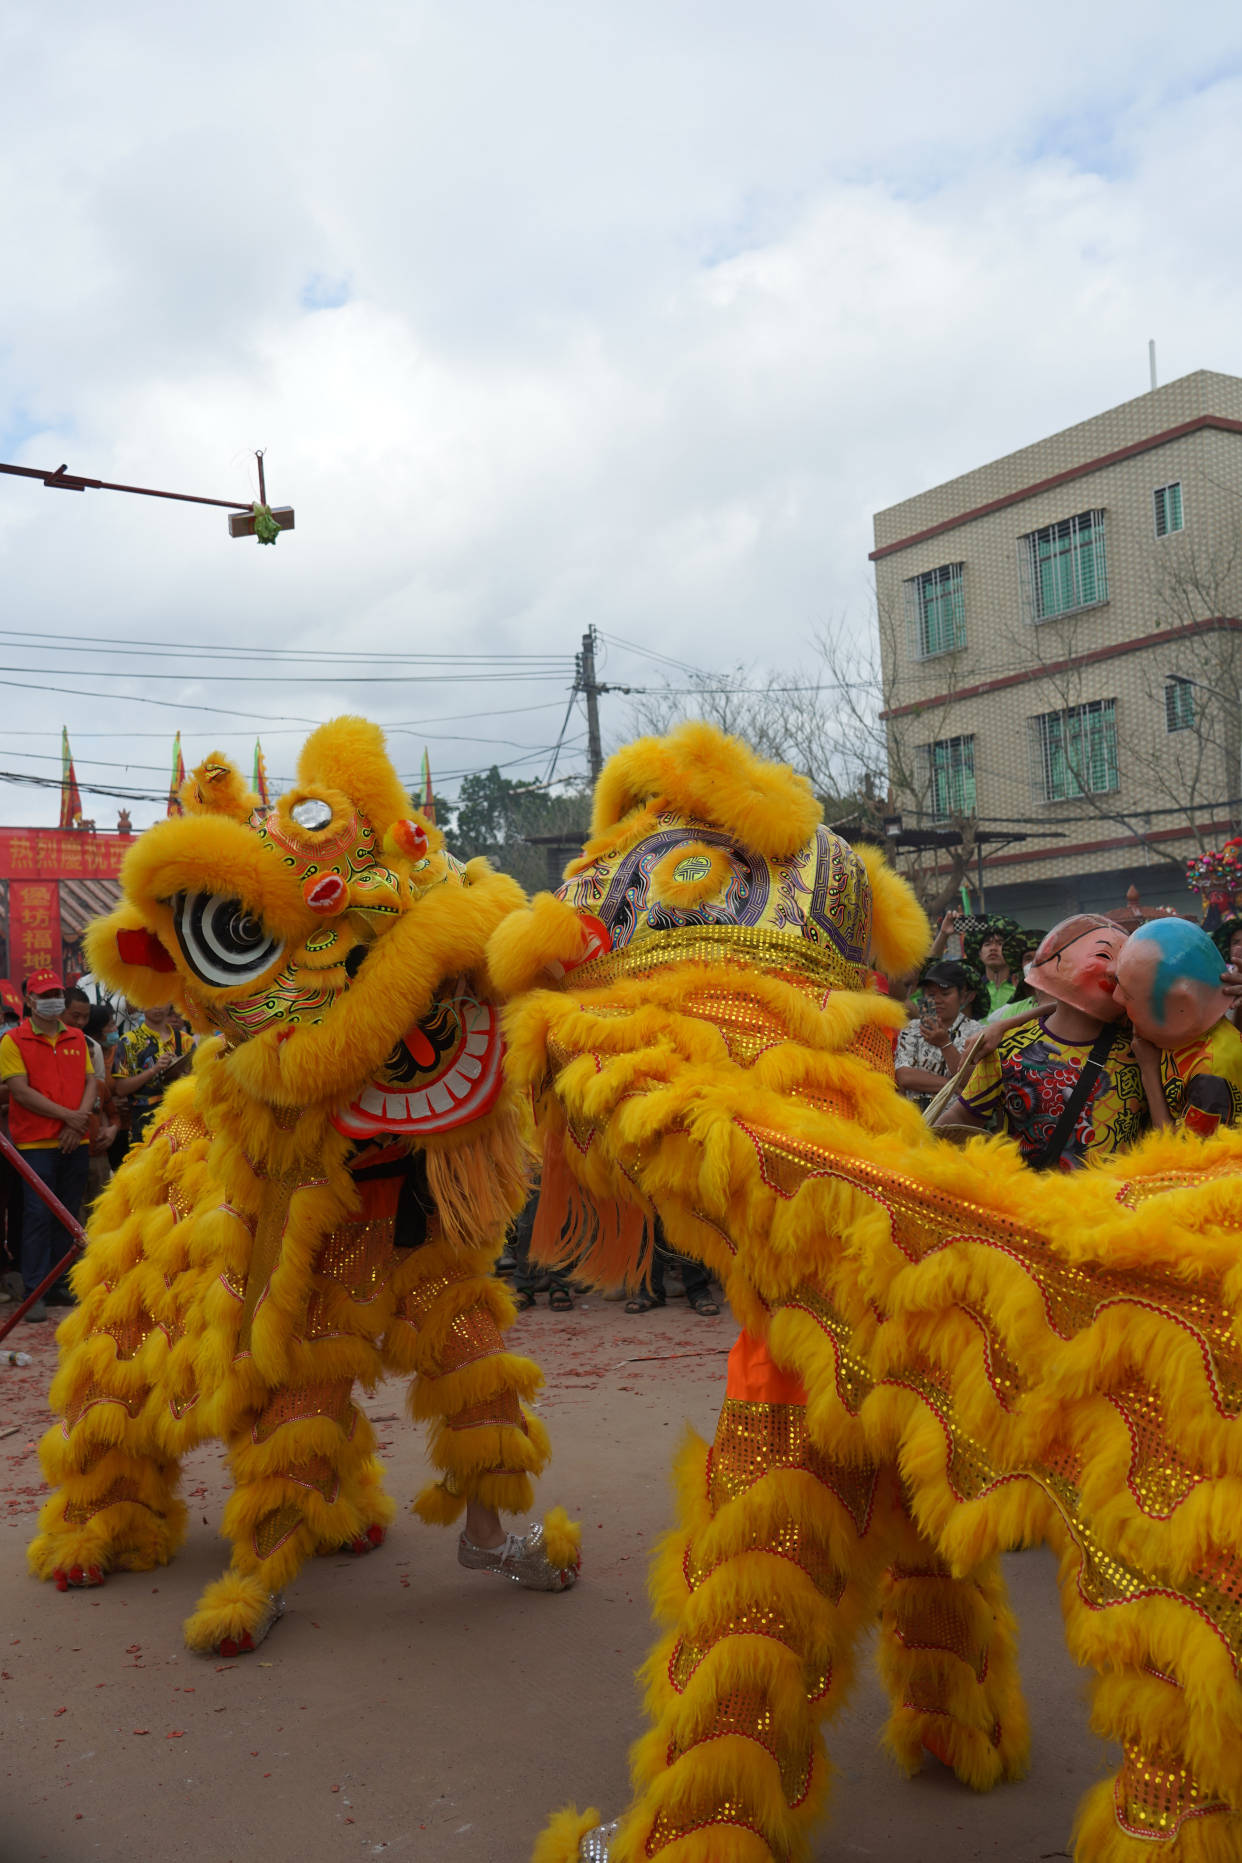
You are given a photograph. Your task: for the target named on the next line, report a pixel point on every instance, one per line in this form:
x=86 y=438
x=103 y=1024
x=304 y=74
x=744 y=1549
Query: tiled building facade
x=1062 y=651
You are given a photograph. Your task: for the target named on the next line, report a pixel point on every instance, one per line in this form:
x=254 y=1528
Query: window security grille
x=936 y=611
x=1168 y=502
x=1063 y=567
x=1074 y=752
x=946 y=771
x=1179 y=703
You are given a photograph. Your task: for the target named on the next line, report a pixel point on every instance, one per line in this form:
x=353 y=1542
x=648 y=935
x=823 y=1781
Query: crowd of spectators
x=1063 y=1040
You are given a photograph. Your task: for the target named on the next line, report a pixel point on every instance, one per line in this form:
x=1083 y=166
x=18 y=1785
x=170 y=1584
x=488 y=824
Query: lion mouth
x=445 y=1071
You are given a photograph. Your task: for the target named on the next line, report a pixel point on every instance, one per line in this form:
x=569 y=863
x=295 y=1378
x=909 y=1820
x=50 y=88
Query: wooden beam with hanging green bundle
x=257 y=519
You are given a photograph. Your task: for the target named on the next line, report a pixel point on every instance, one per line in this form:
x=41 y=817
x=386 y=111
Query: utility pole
x=589 y=686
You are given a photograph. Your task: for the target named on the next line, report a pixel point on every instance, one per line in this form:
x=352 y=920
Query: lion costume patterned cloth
x=944 y=1355
x=321 y=1202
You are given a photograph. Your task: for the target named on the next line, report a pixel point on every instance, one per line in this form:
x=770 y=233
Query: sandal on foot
x=525 y=1300
x=522 y=1558
x=643 y=1303
x=560 y=1300
x=706 y=1306
x=251 y=1639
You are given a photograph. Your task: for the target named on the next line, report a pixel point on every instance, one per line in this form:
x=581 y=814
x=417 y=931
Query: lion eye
x=221 y=941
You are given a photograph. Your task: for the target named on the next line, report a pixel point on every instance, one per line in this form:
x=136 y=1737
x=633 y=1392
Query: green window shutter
x=1168 y=503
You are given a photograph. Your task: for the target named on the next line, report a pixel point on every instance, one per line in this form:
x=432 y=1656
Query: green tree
x=494 y=816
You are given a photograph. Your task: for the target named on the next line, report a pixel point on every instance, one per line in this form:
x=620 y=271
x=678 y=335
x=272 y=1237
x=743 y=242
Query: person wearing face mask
x=51 y=1081
x=1169 y=981
x=146 y=1060
x=1067 y=1085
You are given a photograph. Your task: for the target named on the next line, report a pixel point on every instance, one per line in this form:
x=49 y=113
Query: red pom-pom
x=326 y=893
x=410 y=838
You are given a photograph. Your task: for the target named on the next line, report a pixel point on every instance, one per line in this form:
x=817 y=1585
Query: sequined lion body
x=944 y=1355
x=321 y=1202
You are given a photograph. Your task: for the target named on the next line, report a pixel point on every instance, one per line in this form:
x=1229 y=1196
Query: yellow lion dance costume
x=320 y=1203
x=944 y=1355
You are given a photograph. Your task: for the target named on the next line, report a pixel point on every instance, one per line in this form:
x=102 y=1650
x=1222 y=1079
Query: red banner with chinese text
x=60 y=854
x=34 y=927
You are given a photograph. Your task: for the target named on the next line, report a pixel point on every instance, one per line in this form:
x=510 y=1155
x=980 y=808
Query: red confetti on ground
x=142 y=1730
x=178 y=1733
x=61 y=1711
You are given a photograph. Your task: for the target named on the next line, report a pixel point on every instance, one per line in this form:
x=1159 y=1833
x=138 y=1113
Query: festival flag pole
x=178 y=777
x=428 y=804
x=70 y=794
x=260 y=776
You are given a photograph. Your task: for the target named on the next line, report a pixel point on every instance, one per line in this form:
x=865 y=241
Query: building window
x=1063 y=567
x=1074 y=752
x=1168 y=503
x=936 y=611
x=948 y=772
x=1179 y=703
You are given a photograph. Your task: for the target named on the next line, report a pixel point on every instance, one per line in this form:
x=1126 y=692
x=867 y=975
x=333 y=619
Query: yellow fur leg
x=562 y=1538
x=119 y=1512
x=558 y=1841
x=948 y=1657
x=766 y=1582
x=1215 y=1837
x=231 y=1606
x=717 y=1843
x=305 y=1475
x=467 y=1388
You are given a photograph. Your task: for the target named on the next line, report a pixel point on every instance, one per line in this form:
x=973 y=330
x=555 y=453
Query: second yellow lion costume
x=944 y=1354
x=320 y=1203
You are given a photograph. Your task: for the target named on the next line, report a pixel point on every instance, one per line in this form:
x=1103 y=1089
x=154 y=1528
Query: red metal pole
x=62 y=1216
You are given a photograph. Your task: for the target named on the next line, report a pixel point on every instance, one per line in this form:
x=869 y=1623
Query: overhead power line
x=406 y=725
x=129 y=647
x=321 y=679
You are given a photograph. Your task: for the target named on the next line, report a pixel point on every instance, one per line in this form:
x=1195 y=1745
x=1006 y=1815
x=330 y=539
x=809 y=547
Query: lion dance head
x=331 y=941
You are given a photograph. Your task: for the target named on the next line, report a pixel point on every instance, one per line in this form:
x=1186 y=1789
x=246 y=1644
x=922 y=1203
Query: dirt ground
x=407 y=1708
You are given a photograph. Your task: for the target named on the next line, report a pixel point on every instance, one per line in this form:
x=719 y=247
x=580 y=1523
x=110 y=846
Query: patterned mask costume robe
x=945 y=1355
x=321 y=1202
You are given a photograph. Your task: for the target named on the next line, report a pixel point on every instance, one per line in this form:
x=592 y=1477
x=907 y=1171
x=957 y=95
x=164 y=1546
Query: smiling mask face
x=1077 y=964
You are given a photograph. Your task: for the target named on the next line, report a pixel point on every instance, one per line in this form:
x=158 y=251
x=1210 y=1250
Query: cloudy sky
x=547 y=315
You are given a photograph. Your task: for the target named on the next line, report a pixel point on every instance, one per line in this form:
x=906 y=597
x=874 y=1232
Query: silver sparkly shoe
x=523 y=1558
x=595 y=1845
x=250 y=1639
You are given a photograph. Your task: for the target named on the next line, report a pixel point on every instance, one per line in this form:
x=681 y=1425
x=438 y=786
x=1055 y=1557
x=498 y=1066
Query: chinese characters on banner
x=33 y=862
x=34 y=926
x=54 y=854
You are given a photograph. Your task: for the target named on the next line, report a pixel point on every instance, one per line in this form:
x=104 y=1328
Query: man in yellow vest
x=47 y=1070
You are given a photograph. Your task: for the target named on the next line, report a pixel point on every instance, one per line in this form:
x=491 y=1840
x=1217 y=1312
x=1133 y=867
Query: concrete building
x=1062 y=652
